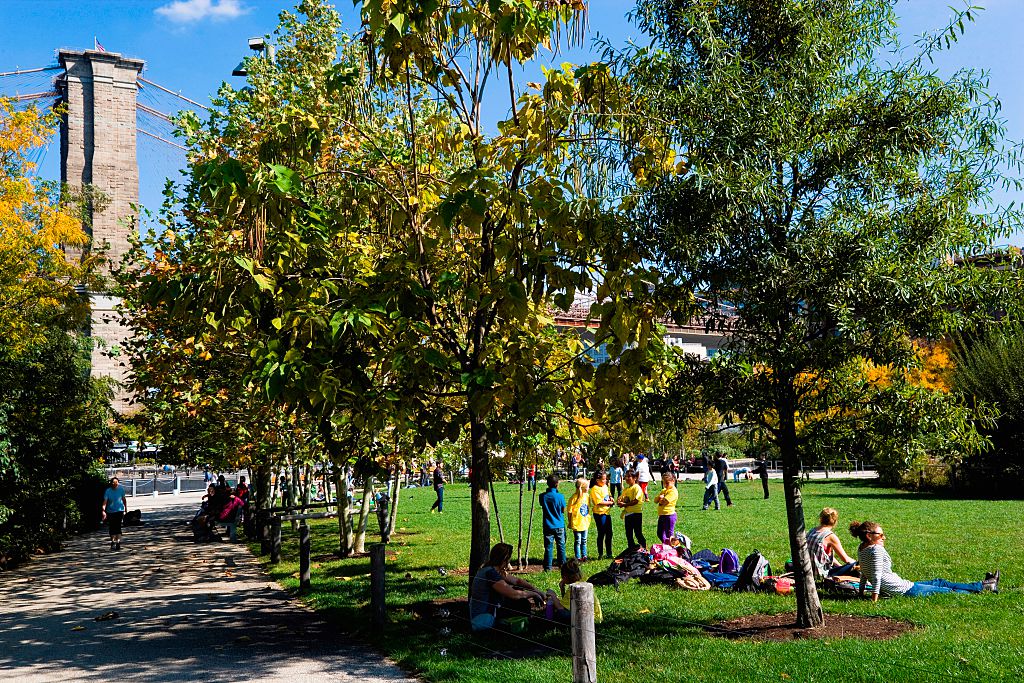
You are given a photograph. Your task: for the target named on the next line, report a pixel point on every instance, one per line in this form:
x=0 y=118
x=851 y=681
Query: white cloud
x=190 y=11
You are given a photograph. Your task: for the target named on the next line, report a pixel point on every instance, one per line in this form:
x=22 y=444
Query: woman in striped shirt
x=876 y=569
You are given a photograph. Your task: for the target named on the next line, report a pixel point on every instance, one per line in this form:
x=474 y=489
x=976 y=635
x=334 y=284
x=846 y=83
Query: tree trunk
x=396 y=489
x=359 y=544
x=497 y=515
x=808 y=606
x=344 y=519
x=519 y=541
x=261 y=482
x=327 y=483
x=479 y=502
x=529 y=527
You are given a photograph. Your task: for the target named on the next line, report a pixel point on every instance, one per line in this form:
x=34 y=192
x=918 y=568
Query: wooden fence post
x=275 y=539
x=584 y=640
x=304 y=547
x=377 y=596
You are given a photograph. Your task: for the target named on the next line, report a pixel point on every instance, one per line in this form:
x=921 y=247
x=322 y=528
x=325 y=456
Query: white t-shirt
x=643 y=471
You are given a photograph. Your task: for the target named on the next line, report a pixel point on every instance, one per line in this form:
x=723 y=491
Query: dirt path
x=186 y=612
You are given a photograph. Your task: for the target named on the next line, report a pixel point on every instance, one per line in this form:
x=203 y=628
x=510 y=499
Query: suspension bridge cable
x=171 y=92
x=163 y=140
x=154 y=112
x=33 y=96
x=30 y=71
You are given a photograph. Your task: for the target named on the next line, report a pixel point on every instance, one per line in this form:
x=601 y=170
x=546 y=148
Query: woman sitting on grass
x=824 y=547
x=876 y=569
x=496 y=595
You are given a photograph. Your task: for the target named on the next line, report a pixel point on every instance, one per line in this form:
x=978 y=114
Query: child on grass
x=666 y=501
x=632 y=503
x=556 y=609
x=601 y=503
x=578 y=509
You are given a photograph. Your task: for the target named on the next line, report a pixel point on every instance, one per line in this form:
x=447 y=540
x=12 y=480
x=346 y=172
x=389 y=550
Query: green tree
x=824 y=181
x=987 y=369
x=53 y=415
x=504 y=220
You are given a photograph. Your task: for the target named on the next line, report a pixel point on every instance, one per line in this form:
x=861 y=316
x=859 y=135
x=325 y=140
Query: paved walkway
x=186 y=612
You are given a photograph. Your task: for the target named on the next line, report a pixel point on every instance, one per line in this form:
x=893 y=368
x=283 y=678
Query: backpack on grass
x=754 y=570
x=730 y=562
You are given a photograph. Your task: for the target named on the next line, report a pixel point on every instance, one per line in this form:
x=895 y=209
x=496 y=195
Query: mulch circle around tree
x=780 y=627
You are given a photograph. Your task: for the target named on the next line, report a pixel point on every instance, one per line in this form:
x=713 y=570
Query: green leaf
x=285 y=179
x=264 y=282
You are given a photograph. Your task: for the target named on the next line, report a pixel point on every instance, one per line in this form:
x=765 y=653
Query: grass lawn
x=652 y=633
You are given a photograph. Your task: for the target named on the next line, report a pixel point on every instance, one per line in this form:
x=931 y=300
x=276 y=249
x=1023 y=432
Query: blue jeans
x=531 y=483
x=843 y=569
x=439 y=503
x=553 y=537
x=711 y=494
x=580 y=544
x=922 y=589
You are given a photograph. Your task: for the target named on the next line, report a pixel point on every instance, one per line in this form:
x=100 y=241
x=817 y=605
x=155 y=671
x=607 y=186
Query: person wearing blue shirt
x=552 y=504
x=114 y=506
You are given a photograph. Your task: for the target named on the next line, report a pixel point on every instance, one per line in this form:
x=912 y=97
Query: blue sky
x=192 y=45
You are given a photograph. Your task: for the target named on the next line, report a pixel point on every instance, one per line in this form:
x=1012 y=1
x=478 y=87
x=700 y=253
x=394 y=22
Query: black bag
x=660 y=575
x=754 y=570
x=132 y=518
x=708 y=556
x=608 y=578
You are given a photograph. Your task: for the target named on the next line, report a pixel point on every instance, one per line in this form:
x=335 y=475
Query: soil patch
x=783 y=627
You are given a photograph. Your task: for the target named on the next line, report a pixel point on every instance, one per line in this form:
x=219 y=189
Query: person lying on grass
x=824 y=546
x=496 y=595
x=876 y=569
x=556 y=610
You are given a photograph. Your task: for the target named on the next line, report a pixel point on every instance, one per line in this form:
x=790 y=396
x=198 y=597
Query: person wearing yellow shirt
x=632 y=503
x=601 y=503
x=666 y=501
x=578 y=509
x=556 y=609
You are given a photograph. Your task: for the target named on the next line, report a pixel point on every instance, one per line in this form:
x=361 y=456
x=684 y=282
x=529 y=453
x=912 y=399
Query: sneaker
x=991 y=582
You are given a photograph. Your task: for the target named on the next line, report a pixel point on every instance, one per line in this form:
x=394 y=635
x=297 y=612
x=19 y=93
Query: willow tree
x=826 y=178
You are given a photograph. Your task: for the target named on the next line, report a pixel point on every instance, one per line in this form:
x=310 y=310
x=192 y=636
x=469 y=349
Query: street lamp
x=257 y=44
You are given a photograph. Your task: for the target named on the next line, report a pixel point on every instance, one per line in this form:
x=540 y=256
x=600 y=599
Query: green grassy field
x=654 y=633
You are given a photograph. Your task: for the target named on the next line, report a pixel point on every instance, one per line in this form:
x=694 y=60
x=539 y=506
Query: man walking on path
x=114 y=506
x=722 y=472
x=552 y=503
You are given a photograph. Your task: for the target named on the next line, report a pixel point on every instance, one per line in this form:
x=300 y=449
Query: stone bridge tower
x=97 y=141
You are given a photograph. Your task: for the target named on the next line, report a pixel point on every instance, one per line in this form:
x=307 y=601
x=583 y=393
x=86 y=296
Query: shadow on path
x=186 y=612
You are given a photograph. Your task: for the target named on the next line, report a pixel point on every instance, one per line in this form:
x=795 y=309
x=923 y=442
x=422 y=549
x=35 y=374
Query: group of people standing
x=593 y=504
x=624 y=486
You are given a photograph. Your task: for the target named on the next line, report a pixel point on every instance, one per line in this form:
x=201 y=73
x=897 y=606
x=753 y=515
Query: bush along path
x=165 y=609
